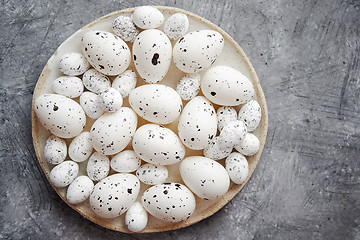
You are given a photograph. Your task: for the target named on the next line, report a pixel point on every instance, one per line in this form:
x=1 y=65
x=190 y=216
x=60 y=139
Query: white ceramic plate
x=232 y=55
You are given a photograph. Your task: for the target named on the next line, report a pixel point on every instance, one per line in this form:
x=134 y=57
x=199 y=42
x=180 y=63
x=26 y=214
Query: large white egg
x=112 y=132
x=106 y=52
x=157 y=145
x=197 y=50
x=60 y=115
x=156 y=103
x=206 y=178
x=197 y=123
x=172 y=202
x=226 y=86
x=152 y=55
x=113 y=195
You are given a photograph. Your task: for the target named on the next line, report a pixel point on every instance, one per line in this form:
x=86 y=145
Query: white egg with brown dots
x=215 y=151
x=111 y=99
x=124 y=27
x=172 y=202
x=226 y=86
x=151 y=174
x=106 y=52
x=250 y=114
x=79 y=190
x=70 y=87
x=55 y=150
x=146 y=17
x=64 y=173
x=232 y=134
x=136 y=217
x=60 y=115
x=125 y=83
x=176 y=26
x=73 y=64
x=237 y=166
x=225 y=115
x=91 y=103
x=249 y=145
x=125 y=161
x=98 y=166
x=95 y=81
x=81 y=147
x=114 y=195
x=188 y=86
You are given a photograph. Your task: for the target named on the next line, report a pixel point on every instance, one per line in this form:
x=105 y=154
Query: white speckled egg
x=91 y=103
x=225 y=115
x=112 y=132
x=216 y=152
x=152 y=174
x=70 y=87
x=172 y=202
x=232 y=134
x=197 y=123
x=81 y=147
x=125 y=83
x=157 y=145
x=60 y=115
x=176 y=25
x=226 y=86
x=64 y=173
x=73 y=64
x=79 y=190
x=152 y=55
x=111 y=99
x=188 y=86
x=113 y=195
x=125 y=28
x=250 y=114
x=95 y=81
x=55 y=150
x=106 y=52
x=205 y=177
x=197 y=50
x=249 y=145
x=125 y=161
x=147 y=17
x=98 y=166
x=237 y=166
x=136 y=217
x=156 y=103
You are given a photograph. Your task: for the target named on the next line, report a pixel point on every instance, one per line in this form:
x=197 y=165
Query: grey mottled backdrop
x=306 y=54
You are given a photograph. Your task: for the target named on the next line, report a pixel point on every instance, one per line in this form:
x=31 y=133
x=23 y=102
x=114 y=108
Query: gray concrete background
x=306 y=54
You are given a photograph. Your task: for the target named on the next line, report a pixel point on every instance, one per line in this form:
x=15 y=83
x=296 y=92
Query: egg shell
x=146 y=17
x=55 y=150
x=95 y=81
x=249 y=145
x=157 y=145
x=205 y=177
x=73 y=64
x=232 y=134
x=70 y=87
x=91 y=103
x=111 y=99
x=81 y=147
x=113 y=195
x=79 y=190
x=225 y=115
x=156 y=103
x=136 y=217
x=237 y=166
x=215 y=151
x=188 y=86
x=64 y=173
x=60 y=115
x=196 y=51
x=152 y=55
x=176 y=25
x=197 y=123
x=125 y=161
x=152 y=174
x=125 y=83
x=125 y=28
x=112 y=132
x=250 y=114
x=172 y=202
x=226 y=86
x=106 y=52
x=98 y=166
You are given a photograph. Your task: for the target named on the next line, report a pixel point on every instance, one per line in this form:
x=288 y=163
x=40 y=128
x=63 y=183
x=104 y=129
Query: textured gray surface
x=306 y=54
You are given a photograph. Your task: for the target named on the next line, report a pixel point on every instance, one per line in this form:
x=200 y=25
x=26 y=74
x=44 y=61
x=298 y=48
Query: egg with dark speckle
x=79 y=190
x=250 y=114
x=172 y=202
x=64 y=174
x=98 y=166
x=80 y=147
x=152 y=174
x=136 y=217
x=70 y=87
x=91 y=103
x=73 y=64
x=237 y=167
x=55 y=150
x=95 y=81
x=146 y=17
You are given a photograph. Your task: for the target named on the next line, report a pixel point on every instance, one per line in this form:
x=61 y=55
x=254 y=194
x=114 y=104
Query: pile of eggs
x=93 y=86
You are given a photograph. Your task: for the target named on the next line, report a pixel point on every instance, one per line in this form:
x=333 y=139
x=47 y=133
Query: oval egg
x=125 y=161
x=64 y=174
x=152 y=174
x=98 y=166
x=250 y=114
x=79 y=190
x=55 y=150
x=80 y=147
x=70 y=87
x=136 y=217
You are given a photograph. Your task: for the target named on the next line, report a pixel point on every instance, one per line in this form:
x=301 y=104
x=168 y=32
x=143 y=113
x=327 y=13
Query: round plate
x=232 y=55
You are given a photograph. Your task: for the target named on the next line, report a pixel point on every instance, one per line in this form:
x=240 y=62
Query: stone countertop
x=306 y=54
